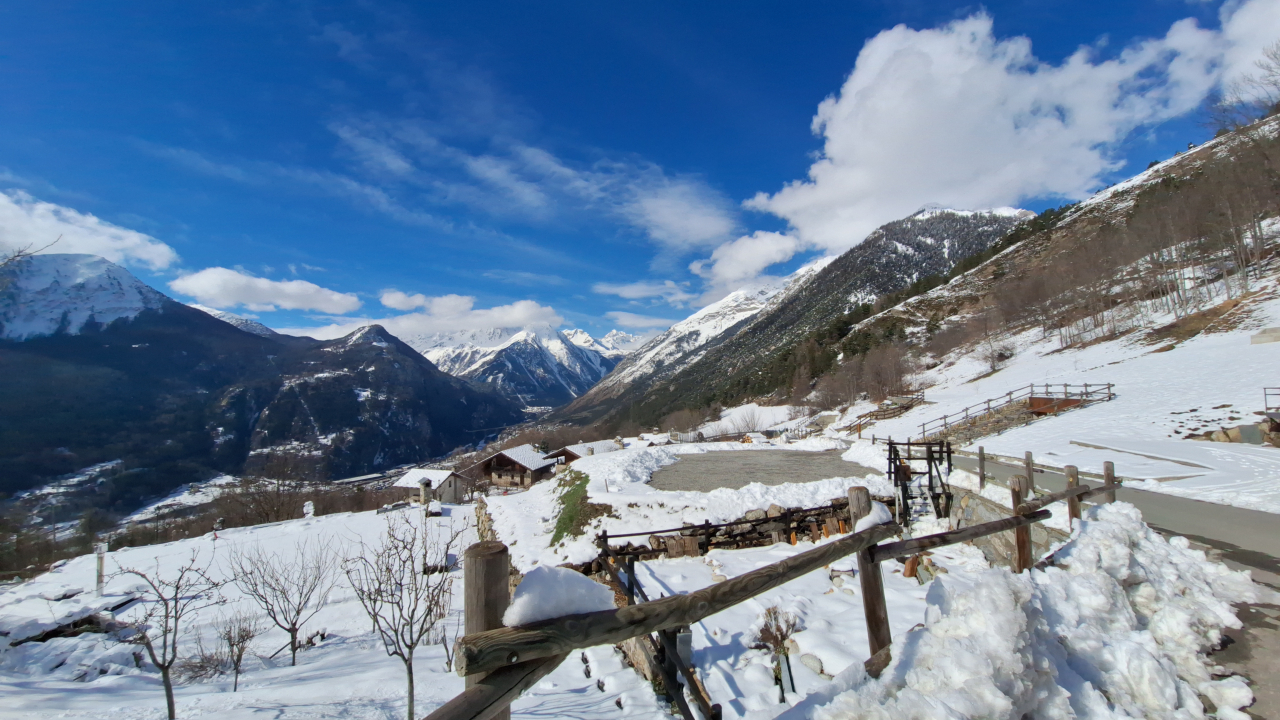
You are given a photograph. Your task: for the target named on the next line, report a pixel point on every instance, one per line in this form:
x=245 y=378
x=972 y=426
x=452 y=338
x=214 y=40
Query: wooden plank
x=1020 y=487
x=982 y=468
x=493 y=649
x=491 y=696
x=889 y=551
x=874 y=609
x=1073 y=502
x=859 y=504
x=486 y=570
x=1030 y=467
x=1109 y=479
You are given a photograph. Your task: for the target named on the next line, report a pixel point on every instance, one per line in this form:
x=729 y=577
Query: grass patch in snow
x=575 y=509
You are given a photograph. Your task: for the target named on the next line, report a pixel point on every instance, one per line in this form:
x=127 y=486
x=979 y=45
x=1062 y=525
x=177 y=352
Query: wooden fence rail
x=510 y=660
x=1087 y=393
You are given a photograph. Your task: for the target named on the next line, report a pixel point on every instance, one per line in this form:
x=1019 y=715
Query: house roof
x=599 y=447
x=526 y=455
x=414 y=478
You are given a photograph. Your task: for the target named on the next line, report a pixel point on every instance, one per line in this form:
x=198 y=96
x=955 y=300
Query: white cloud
x=1247 y=29
x=397 y=300
x=667 y=290
x=446 y=313
x=736 y=263
x=223 y=288
x=632 y=320
x=680 y=213
x=954 y=116
x=28 y=222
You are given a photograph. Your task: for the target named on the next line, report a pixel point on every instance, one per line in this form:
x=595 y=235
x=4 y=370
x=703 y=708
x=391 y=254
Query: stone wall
x=969 y=509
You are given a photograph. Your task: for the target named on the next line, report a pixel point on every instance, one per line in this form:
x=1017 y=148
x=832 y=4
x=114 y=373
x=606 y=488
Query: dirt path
x=742 y=467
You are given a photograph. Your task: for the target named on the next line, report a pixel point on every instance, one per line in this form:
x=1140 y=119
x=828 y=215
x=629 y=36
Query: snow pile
x=1117 y=629
x=31 y=610
x=548 y=592
x=879 y=515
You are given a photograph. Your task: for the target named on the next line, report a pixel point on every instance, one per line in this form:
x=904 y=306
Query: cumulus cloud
x=736 y=263
x=442 y=314
x=955 y=116
x=397 y=300
x=28 y=222
x=221 y=287
x=632 y=320
x=667 y=290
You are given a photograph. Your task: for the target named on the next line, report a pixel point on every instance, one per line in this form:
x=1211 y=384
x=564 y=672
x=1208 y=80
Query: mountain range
x=536 y=366
x=740 y=336
x=96 y=366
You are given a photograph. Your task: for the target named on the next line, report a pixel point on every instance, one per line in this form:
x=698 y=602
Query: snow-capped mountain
x=737 y=336
x=684 y=342
x=538 y=366
x=244 y=323
x=61 y=293
x=96 y=365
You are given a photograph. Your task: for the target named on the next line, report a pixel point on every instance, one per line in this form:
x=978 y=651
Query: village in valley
x=977 y=420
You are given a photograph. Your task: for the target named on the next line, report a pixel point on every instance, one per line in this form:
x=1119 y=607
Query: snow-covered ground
x=347 y=675
x=1128 y=618
x=1212 y=380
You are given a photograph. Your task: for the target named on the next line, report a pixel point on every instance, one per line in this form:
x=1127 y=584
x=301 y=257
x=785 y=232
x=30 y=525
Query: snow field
x=347 y=675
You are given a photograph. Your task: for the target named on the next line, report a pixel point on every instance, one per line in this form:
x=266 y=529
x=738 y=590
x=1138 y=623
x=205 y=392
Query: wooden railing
x=868 y=418
x=1271 y=399
x=1085 y=393
x=501 y=662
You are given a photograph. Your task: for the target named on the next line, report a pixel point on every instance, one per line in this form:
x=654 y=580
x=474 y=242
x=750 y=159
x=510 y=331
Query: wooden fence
x=500 y=663
x=1057 y=397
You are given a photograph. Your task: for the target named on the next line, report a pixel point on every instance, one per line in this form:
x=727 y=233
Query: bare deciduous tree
x=404 y=601
x=237 y=631
x=290 y=587
x=169 y=597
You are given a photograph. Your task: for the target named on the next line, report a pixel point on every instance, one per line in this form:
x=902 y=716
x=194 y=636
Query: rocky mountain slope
x=741 y=334
x=535 y=366
x=95 y=366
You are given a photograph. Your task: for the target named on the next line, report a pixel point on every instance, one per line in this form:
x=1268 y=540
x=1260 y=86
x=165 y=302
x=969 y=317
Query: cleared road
x=1243 y=538
x=737 y=468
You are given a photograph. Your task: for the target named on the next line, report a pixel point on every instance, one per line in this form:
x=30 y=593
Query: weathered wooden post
x=982 y=468
x=486 y=572
x=1109 y=480
x=873 y=604
x=1073 y=502
x=1031 y=474
x=1020 y=490
x=101 y=550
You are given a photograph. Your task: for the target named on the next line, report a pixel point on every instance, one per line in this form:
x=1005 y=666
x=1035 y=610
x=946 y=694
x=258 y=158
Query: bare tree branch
x=290 y=587
x=170 y=598
x=405 y=587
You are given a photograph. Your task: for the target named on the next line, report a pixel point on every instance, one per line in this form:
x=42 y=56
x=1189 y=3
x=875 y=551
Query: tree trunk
x=168 y=692
x=408 y=670
x=293 y=647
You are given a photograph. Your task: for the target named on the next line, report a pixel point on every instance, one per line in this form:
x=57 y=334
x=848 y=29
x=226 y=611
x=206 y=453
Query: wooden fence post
x=486 y=573
x=101 y=550
x=1020 y=490
x=1109 y=479
x=982 y=468
x=1031 y=475
x=873 y=604
x=1073 y=503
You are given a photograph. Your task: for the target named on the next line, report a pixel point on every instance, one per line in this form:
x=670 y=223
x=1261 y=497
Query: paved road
x=1240 y=537
x=734 y=469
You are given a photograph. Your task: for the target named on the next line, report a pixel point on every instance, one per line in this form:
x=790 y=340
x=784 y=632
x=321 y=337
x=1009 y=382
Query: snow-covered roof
x=640 y=442
x=526 y=455
x=414 y=478
x=598 y=447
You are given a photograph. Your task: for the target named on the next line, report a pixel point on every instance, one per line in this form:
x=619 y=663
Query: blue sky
x=449 y=166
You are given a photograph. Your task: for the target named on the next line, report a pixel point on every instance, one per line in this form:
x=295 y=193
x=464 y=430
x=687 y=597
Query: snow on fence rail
x=501 y=662
x=1060 y=398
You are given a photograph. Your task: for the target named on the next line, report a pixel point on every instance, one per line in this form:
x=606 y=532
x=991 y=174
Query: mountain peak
x=63 y=292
